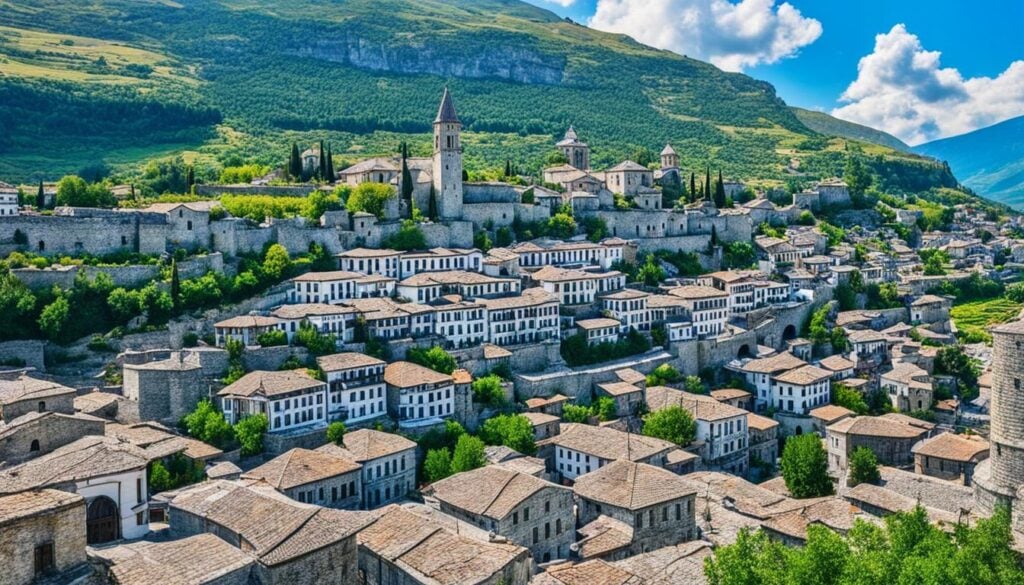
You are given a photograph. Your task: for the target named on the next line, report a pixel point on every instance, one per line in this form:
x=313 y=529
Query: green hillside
x=825 y=124
x=224 y=81
x=990 y=160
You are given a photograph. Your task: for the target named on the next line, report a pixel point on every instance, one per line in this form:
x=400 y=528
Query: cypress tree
x=406 y=175
x=707 y=184
x=719 y=192
x=323 y=161
x=432 y=205
x=190 y=179
x=330 y=164
x=295 y=163
x=175 y=284
x=41 y=197
x=508 y=168
x=465 y=175
x=693 y=187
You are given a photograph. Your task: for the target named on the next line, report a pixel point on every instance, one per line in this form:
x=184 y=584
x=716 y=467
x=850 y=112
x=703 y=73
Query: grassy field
x=973 y=318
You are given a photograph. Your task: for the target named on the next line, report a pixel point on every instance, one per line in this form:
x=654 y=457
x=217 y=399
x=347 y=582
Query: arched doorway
x=34 y=446
x=789 y=332
x=102 y=521
x=744 y=352
x=799 y=430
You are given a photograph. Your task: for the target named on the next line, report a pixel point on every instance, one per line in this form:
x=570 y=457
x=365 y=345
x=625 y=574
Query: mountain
x=826 y=124
x=117 y=82
x=990 y=160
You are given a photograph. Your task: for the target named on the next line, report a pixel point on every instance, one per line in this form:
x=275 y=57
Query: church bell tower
x=447 y=164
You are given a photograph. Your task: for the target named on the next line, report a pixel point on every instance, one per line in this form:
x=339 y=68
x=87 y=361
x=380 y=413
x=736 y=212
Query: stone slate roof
x=490 y=491
x=303 y=310
x=197 y=559
x=627 y=165
x=86 y=458
x=699 y=406
x=370 y=164
x=430 y=553
x=682 y=564
x=876 y=426
x=299 y=467
x=245 y=321
x=604 y=535
x=408 y=374
x=803 y=376
x=23 y=505
x=777 y=363
x=830 y=413
x=159 y=442
x=28 y=388
x=593 y=572
x=264 y=383
x=364 y=445
x=278 y=529
x=446 y=112
x=760 y=423
x=953 y=447
x=346 y=361
x=633 y=486
x=607 y=443
x=835 y=513
x=836 y=363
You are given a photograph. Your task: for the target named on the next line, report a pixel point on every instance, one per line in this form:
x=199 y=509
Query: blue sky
x=810 y=49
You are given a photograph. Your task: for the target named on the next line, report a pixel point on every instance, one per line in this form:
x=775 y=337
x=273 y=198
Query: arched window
x=35 y=445
x=42 y=406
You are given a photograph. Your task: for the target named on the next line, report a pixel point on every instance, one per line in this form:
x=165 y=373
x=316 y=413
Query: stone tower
x=669 y=158
x=447 y=168
x=998 y=479
x=576 y=152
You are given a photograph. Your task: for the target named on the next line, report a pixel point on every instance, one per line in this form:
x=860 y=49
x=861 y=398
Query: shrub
x=863 y=467
x=249 y=432
x=435 y=358
x=511 y=430
x=468 y=454
x=489 y=390
x=805 y=467
x=575 y=413
x=336 y=433
x=272 y=338
x=673 y=424
x=437 y=465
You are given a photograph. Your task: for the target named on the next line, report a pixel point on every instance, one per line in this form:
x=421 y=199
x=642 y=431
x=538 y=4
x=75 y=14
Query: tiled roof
x=724 y=394
x=245 y=321
x=592 y=572
x=277 y=528
x=607 y=443
x=328 y=276
x=539 y=418
x=618 y=388
x=602 y=536
x=371 y=164
x=682 y=564
x=363 y=445
x=367 y=253
x=633 y=486
x=953 y=447
x=627 y=165
x=28 y=388
x=346 y=360
x=159 y=441
x=528 y=298
x=693 y=292
x=760 y=423
x=699 y=406
x=546 y=400
x=777 y=363
x=264 y=383
x=197 y=559
x=489 y=491
x=86 y=458
x=408 y=374
x=303 y=310
x=432 y=554
x=299 y=467
x=22 y=505
x=835 y=513
x=830 y=413
x=836 y=363
x=803 y=376
x=598 y=323
x=873 y=426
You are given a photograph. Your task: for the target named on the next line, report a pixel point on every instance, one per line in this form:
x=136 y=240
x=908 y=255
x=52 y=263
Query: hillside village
x=599 y=376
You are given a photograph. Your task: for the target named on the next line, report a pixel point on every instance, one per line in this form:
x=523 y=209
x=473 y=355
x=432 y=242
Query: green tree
x=272 y=338
x=863 y=466
x=276 y=262
x=663 y=374
x=207 y=424
x=73 y=190
x=53 y=319
x=575 y=414
x=437 y=465
x=694 y=385
x=469 y=454
x=41 y=197
x=843 y=395
x=720 y=199
x=561 y=225
x=435 y=358
x=336 y=433
x=175 y=284
x=407 y=185
x=249 y=431
x=159 y=478
x=738 y=254
x=432 y=212
x=503 y=237
x=124 y=304
x=317 y=343
x=672 y=424
x=511 y=430
x=295 y=163
x=370 y=198
x=857 y=176
x=805 y=467
x=489 y=390
x=951 y=360
x=605 y=408
x=408 y=237
x=651 y=273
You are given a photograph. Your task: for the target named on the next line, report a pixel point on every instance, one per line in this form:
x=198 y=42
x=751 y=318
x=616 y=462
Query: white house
x=600 y=330
x=418 y=396
x=527 y=318
x=290 y=399
x=339 y=285
x=244 y=328
x=759 y=373
x=801 y=390
x=708 y=308
x=461 y=323
x=334 y=320
x=578 y=449
x=578 y=287
x=368 y=261
x=8 y=200
x=629 y=307
x=355 y=386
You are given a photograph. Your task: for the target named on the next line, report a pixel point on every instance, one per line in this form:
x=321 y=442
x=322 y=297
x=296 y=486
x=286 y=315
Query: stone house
x=763 y=433
x=38 y=433
x=681 y=462
x=649 y=508
x=165 y=390
x=930 y=309
x=759 y=373
x=629 y=178
x=26 y=394
x=908 y=387
x=734 y=397
x=800 y=390
x=526 y=510
x=290 y=399
x=160 y=443
x=244 y=328
x=109 y=474
x=722 y=435
x=331 y=320
x=42 y=533
x=355 y=386
x=840 y=367
x=418 y=396
x=188 y=224
x=402 y=547
x=313 y=477
x=293 y=543
x=374 y=170
x=388 y=460
x=950 y=456
x=552 y=405
x=826 y=416
x=202 y=559
x=600 y=330
x=580 y=449
x=629 y=399
x=544 y=425
x=891 y=440
x=869 y=349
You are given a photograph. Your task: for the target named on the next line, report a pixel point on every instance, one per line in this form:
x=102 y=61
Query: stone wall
x=309 y=438
x=64 y=527
x=491 y=193
x=578 y=383
x=29 y=351
x=278 y=190
x=271 y=358
x=93 y=231
x=131 y=276
x=52 y=431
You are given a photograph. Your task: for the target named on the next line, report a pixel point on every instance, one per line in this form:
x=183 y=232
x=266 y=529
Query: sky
x=918 y=69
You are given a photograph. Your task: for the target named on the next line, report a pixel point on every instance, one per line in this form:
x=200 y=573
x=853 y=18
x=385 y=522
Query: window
x=140 y=519
x=44 y=561
x=536 y=535
x=34 y=446
x=42 y=406
x=515 y=518
x=526 y=514
x=138 y=489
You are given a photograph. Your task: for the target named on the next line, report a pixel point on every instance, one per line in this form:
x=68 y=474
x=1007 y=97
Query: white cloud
x=732 y=36
x=562 y=3
x=902 y=89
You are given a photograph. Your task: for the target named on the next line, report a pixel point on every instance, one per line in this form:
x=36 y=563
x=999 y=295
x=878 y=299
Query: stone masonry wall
x=64 y=527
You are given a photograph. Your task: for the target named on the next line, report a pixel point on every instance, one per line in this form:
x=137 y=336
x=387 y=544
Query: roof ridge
x=501 y=490
x=291 y=533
